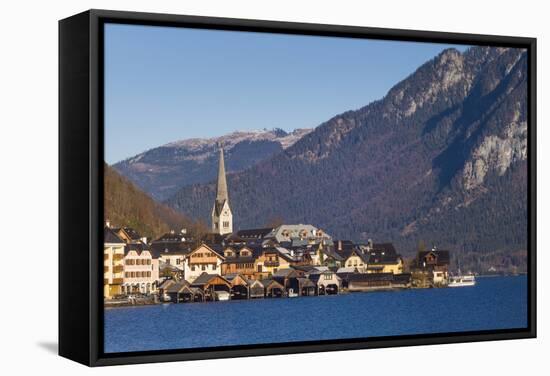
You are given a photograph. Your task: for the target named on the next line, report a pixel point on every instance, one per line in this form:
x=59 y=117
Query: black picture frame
x=81 y=185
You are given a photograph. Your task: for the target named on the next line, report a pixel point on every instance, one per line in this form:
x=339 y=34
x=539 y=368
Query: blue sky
x=164 y=84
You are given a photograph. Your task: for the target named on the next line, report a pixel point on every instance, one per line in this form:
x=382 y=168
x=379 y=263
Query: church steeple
x=222 y=218
x=221 y=194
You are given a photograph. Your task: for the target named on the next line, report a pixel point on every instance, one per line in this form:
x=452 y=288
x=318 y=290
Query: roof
x=204 y=278
x=285 y=272
x=132 y=233
x=347 y=253
x=331 y=253
x=345 y=270
x=268 y=282
x=442 y=256
x=169 y=248
x=304 y=282
x=388 y=248
x=171 y=236
x=177 y=287
x=166 y=283
x=367 y=277
x=137 y=246
x=380 y=257
x=109 y=237
x=317 y=276
x=255 y=233
x=218 y=250
x=343 y=244
x=285 y=233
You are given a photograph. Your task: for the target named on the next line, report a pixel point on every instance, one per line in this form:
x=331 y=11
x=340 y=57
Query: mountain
x=163 y=170
x=127 y=205
x=441 y=159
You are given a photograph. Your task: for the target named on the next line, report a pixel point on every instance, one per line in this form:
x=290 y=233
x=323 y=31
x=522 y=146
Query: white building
x=141 y=270
x=200 y=260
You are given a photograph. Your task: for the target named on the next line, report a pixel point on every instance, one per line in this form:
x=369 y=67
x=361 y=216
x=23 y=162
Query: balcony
x=106 y=269
x=271 y=263
x=118 y=268
x=118 y=257
x=117 y=281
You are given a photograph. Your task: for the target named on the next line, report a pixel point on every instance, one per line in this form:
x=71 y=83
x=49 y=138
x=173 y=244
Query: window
x=225 y=224
x=213 y=267
x=216 y=225
x=178 y=261
x=193 y=268
x=203 y=267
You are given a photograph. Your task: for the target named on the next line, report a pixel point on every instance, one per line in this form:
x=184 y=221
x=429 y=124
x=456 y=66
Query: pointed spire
x=221 y=194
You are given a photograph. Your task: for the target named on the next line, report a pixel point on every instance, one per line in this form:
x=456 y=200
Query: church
x=222 y=217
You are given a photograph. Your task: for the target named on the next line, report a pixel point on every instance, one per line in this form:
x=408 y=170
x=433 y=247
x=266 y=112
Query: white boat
x=222 y=296
x=462 y=280
x=292 y=294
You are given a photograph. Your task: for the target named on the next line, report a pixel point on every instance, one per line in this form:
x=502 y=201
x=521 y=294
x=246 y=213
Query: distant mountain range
x=440 y=159
x=164 y=170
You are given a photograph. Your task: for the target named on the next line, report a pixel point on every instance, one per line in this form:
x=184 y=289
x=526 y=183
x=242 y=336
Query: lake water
x=494 y=303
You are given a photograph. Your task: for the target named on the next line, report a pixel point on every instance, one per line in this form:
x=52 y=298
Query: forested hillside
x=127 y=205
x=440 y=159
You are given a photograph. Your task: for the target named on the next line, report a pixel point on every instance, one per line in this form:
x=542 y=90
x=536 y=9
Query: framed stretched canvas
x=240 y=187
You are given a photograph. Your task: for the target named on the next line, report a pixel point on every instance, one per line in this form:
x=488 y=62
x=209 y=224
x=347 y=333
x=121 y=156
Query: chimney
x=107 y=223
x=339 y=245
x=371 y=244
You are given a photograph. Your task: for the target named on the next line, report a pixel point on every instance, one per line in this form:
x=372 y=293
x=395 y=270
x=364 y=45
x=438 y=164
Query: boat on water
x=462 y=280
x=222 y=296
x=292 y=294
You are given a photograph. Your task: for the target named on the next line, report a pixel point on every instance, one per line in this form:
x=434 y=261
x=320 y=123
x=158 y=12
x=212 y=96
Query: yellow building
x=384 y=259
x=271 y=260
x=357 y=260
x=113 y=263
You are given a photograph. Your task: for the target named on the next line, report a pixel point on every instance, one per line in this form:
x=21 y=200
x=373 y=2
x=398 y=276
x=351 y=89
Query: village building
x=171 y=248
x=256 y=289
x=239 y=286
x=327 y=281
x=273 y=289
x=239 y=261
x=298 y=235
x=203 y=259
x=327 y=256
x=370 y=281
x=269 y=261
x=436 y=264
x=113 y=263
x=384 y=259
x=182 y=292
x=355 y=259
x=211 y=285
x=222 y=217
x=141 y=270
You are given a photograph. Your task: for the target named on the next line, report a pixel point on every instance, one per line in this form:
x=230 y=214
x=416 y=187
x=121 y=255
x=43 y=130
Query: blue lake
x=494 y=303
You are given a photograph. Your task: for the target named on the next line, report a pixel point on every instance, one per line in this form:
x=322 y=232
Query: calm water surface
x=494 y=303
